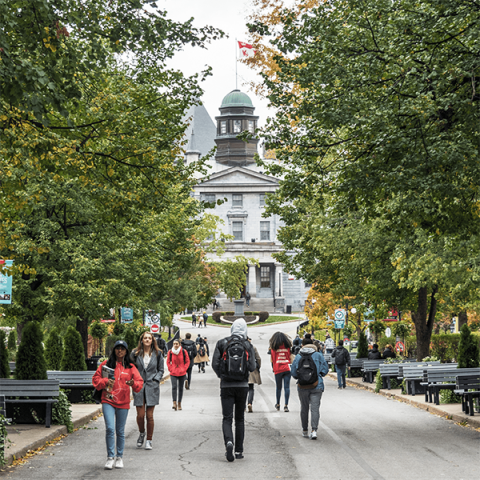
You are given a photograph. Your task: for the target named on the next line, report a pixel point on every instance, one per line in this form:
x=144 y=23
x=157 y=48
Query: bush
x=263 y=316
x=118 y=328
x=61 y=411
x=73 y=359
x=98 y=330
x=53 y=350
x=4 y=366
x=216 y=316
x=362 y=348
x=444 y=346
x=129 y=336
x=468 y=351
x=12 y=341
x=30 y=364
x=228 y=313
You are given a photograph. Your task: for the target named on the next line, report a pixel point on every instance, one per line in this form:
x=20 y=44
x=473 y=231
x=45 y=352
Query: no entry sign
x=154 y=328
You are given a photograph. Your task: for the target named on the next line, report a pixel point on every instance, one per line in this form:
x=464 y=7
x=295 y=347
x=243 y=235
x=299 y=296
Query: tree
x=129 y=336
x=4 y=365
x=73 y=359
x=468 y=350
x=53 y=350
x=30 y=363
x=12 y=341
x=362 y=348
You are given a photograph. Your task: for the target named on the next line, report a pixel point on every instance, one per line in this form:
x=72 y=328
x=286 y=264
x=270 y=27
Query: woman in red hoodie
x=280 y=348
x=178 y=362
x=116 y=398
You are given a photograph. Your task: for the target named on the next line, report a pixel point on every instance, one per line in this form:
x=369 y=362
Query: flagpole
x=236 y=64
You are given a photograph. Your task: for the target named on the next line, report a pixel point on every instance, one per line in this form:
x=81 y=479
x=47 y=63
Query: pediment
x=239 y=176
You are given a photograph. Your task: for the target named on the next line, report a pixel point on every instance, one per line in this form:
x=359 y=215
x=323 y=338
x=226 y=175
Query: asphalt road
x=361 y=436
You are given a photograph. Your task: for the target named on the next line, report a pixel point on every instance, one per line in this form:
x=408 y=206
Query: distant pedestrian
x=214 y=304
x=194 y=320
x=207 y=348
x=254 y=378
x=116 y=401
x=297 y=344
x=308 y=367
x=162 y=344
x=329 y=344
x=148 y=359
x=205 y=318
x=247 y=298
x=177 y=364
x=189 y=345
x=374 y=353
x=389 y=352
x=233 y=359
x=280 y=346
x=342 y=359
x=201 y=358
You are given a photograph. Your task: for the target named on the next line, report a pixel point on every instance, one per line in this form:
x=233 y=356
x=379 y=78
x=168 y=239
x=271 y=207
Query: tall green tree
x=73 y=359
x=30 y=363
x=53 y=350
x=4 y=365
x=468 y=349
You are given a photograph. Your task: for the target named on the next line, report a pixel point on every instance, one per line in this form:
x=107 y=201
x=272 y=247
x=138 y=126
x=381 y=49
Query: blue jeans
x=341 y=369
x=285 y=376
x=115 y=420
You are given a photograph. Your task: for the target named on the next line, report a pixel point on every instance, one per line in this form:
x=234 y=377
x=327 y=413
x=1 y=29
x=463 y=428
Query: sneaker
x=140 y=440
x=339 y=388
x=250 y=408
x=277 y=406
x=229 y=452
x=186 y=384
x=148 y=445
x=239 y=455
x=110 y=463
x=285 y=408
x=119 y=462
x=305 y=434
x=313 y=435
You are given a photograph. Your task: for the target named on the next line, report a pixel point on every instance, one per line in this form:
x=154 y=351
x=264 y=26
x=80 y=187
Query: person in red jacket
x=178 y=362
x=280 y=348
x=116 y=399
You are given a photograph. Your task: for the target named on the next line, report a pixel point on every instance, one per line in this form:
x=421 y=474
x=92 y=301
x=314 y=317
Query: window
x=308 y=285
x=237 y=126
x=208 y=197
x=264 y=277
x=223 y=127
x=251 y=126
x=237 y=230
x=262 y=199
x=264 y=230
x=237 y=200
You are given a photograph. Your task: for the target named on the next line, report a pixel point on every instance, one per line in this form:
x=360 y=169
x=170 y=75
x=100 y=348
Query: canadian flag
x=246 y=49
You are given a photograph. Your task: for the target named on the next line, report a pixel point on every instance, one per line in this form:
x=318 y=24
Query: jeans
x=341 y=369
x=234 y=397
x=115 y=419
x=177 y=384
x=285 y=376
x=189 y=374
x=310 y=398
x=251 y=393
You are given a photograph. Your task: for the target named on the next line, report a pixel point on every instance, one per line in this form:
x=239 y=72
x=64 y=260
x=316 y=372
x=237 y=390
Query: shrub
x=468 y=351
x=377 y=328
x=216 y=316
x=118 y=328
x=12 y=341
x=362 y=349
x=30 y=364
x=263 y=316
x=4 y=366
x=73 y=359
x=61 y=411
x=53 y=350
x=98 y=330
x=228 y=313
x=445 y=346
x=248 y=313
x=129 y=336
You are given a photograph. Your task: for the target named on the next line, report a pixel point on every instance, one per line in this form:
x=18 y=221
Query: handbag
x=97 y=396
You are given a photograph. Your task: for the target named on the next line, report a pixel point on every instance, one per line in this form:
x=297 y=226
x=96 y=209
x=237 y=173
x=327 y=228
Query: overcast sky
x=229 y=16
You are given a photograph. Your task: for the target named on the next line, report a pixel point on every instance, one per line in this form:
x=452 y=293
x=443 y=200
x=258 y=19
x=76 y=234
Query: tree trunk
x=358 y=325
x=82 y=328
x=20 y=326
x=462 y=319
x=423 y=319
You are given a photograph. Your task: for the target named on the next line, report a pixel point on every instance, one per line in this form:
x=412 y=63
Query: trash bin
x=289 y=309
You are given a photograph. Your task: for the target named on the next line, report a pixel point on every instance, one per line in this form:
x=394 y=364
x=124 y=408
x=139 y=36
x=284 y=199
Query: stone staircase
x=256 y=305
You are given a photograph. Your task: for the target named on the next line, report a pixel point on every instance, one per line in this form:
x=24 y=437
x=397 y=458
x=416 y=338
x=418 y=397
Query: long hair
x=112 y=360
x=278 y=339
x=139 y=351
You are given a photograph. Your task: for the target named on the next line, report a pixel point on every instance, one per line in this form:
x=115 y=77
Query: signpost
x=152 y=318
x=6 y=284
x=126 y=315
x=154 y=328
x=339 y=318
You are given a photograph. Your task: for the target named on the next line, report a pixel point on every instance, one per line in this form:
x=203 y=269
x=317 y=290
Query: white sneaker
x=313 y=435
x=119 y=462
x=148 y=445
x=109 y=464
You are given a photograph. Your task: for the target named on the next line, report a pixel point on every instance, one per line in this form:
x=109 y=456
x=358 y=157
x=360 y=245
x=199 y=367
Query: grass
x=271 y=319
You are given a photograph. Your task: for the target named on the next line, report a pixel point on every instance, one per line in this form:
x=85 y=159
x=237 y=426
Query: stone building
x=235 y=178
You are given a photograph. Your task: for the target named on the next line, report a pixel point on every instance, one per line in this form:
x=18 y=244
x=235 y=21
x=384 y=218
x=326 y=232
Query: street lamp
x=353 y=310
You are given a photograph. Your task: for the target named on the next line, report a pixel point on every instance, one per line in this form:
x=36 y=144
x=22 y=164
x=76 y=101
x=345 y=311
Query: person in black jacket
x=374 y=354
x=342 y=359
x=388 y=352
x=189 y=346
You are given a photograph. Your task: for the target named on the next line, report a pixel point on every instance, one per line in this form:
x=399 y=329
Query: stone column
x=252 y=280
x=279 y=280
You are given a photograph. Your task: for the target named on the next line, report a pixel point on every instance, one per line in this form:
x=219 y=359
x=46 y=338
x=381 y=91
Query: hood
x=307 y=349
x=239 y=327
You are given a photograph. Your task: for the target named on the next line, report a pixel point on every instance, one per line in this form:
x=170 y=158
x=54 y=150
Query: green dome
x=236 y=99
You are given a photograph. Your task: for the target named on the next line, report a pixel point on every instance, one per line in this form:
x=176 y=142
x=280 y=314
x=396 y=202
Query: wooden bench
x=387 y=372
x=468 y=386
x=370 y=368
x=31 y=391
x=355 y=363
x=443 y=367
x=413 y=375
x=81 y=379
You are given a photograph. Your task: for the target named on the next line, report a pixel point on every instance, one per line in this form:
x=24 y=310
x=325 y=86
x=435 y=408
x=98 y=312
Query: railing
x=176 y=336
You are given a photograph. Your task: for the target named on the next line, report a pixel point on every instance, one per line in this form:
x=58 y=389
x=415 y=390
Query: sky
x=229 y=16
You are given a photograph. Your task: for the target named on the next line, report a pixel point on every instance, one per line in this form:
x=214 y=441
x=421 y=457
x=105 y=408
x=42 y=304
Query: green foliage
x=129 y=337
x=62 y=412
x=448 y=396
x=4 y=366
x=98 y=330
x=445 y=347
x=30 y=364
x=401 y=329
x=12 y=341
x=468 y=349
x=3 y=439
x=430 y=358
x=232 y=275
x=53 y=350
x=73 y=358
x=362 y=348
x=348 y=331
x=118 y=328
x=263 y=316
x=378 y=328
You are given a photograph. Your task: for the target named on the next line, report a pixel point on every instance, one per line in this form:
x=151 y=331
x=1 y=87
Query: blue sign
x=339 y=324
x=126 y=314
x=6 y=284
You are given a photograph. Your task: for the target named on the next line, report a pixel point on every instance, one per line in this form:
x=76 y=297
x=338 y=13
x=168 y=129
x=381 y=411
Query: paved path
x=361 y=436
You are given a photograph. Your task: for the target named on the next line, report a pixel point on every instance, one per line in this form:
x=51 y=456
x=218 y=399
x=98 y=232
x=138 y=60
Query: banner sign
x=392 y=316
x=340 y=315
x=6 y=284
x=151 y=318
x=126 y=315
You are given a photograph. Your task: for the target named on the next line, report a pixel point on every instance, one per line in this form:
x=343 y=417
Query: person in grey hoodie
x=310 y=396
x=233 y=370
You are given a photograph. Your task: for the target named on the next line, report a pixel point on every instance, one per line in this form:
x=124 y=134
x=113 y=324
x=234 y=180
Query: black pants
x=251 y=393
x=189 y=374
x=233 y=403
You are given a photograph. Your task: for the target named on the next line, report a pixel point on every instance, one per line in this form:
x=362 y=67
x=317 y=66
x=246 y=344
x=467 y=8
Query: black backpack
x=340 y=356
x=307 y=370
x=191 y=350
x=201 y=350
x=234 y=360
x=162 y=345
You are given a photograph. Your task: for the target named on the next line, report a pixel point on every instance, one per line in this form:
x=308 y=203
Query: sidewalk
x=452 y=411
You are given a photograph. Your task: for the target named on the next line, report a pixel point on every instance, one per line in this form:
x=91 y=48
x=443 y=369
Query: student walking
x=254 y=378
x=202 y=357
x=116 y=399
x=308 y=367
x=148 y=359
x=189 y=345
x=194 y=320
x=233 y=359
x=177 y=364
x=280 y=345
x=205 y=318
x=342 y=359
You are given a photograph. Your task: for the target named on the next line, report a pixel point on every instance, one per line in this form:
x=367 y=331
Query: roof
x=201 y=130
x=236 y=98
